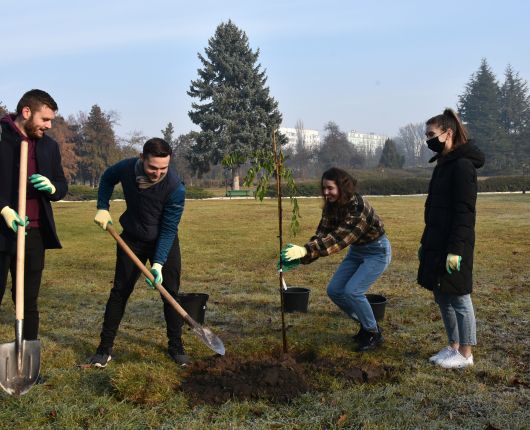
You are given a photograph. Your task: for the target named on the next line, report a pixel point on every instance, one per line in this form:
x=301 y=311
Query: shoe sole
x=463 y=366
x=181 y=363
x=372 y=347
x=101 y=366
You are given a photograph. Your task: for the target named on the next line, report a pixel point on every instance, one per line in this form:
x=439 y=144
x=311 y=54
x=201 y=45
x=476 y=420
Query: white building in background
x=311 y=137
x=367 y=143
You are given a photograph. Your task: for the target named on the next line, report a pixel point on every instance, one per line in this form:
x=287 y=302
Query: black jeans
x=125 y=278
x=33 y=267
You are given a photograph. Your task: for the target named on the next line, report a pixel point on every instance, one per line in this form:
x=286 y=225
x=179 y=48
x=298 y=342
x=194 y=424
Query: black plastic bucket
x=194 y=304
x=378 y=304
x=295 y=299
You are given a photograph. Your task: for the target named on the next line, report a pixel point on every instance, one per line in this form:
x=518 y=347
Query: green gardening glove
x=452 y=263
x=156 y=271
x=288 y=265
x=42 y=183
x=12 y=218
x=293 y=252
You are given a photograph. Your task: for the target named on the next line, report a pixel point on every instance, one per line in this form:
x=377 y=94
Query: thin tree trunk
x=278 y=167
x=235 y=177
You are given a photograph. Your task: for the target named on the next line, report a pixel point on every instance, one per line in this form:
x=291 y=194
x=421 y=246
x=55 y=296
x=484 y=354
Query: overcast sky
x=369 y=66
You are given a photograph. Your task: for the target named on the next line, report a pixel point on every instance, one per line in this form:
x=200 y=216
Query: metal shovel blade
x=19 y=381
x=210 y=339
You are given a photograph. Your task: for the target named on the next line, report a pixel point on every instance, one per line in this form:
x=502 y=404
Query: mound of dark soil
x=277 y=379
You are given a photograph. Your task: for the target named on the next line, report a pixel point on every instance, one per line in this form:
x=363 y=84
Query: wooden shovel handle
x=180 y=310
x=21 y=231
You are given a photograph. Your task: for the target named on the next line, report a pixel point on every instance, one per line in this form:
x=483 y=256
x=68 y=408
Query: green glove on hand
x=288 y=265
x=156 y=271
x=293 y=252
x=42 y=183
x=12 y=218
x=452 y=263
x=103 y=218
x=419 y=252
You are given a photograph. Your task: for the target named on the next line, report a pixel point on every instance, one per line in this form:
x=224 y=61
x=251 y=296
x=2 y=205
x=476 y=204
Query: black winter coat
x=450 y=221
x=48 y=164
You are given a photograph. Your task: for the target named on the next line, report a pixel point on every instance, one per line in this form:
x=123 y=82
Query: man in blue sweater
x=154 y=196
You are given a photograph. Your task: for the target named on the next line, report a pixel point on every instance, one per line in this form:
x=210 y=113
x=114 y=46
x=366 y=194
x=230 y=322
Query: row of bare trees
x=89 y=144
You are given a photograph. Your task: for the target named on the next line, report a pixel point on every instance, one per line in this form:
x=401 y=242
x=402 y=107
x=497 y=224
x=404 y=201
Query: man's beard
x=32 y=131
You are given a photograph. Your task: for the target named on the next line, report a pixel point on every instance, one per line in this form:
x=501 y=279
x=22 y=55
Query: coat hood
x=9 y=120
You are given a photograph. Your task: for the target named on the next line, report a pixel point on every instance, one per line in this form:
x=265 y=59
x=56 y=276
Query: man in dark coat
x=154 y=195
x=35 y=112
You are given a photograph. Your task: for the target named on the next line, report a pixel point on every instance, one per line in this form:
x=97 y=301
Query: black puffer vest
x=142 y=218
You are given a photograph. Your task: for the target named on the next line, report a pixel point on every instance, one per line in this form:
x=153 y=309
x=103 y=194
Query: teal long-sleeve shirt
x=166 y=216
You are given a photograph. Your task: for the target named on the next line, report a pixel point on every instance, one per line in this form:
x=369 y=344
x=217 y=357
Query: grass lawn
x=229 y=251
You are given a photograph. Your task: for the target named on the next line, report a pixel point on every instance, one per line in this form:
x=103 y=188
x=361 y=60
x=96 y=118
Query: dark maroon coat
x=48 y=164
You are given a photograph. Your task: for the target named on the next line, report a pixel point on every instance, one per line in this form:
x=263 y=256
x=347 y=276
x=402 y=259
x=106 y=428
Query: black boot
x=101 y=358
x=357 y=337
x=177 y=354
x=370 y=340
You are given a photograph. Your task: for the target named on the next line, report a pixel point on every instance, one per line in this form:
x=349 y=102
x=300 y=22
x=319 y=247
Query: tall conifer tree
x=515 y=114
x=480 y=108
x=390 y=157
x=168 y=133
x=98 y=149
x=234 y=109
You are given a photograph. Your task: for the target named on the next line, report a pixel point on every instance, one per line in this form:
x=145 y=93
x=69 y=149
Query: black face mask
x=435 y=145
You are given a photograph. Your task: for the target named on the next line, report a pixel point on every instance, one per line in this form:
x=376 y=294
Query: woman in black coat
x=448 y=241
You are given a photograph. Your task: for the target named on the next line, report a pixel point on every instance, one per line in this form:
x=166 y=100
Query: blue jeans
x=358 y=271
x=458 y=317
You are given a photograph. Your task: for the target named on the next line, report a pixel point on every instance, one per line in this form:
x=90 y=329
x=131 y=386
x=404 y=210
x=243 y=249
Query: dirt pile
x=277 y=377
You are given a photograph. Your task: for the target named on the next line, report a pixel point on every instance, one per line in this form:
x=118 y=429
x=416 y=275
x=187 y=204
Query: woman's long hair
x=450 y=119
x=347 y=186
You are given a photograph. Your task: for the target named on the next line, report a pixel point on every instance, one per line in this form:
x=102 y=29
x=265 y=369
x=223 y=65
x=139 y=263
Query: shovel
x=203 y=333
x=20 y=360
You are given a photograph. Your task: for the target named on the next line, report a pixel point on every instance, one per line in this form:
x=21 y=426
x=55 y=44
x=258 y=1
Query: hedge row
x=404 y=186
x=367 y=186
x=84 y=192
x=197 y=193
x=383 y=186
x=504 y=183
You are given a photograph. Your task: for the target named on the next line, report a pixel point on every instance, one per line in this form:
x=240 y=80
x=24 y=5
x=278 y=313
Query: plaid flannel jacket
x=359 y=225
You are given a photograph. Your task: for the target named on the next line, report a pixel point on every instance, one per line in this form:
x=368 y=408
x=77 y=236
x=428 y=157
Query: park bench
x=239 y=193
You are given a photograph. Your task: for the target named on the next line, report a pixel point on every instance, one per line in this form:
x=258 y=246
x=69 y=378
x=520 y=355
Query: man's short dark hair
x=156 y=147
x=35 y=99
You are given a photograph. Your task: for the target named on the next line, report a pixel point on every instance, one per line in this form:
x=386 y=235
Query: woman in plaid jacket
x=348 y=220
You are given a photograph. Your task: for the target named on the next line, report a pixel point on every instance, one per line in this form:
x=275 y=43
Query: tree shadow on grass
x=84 y=347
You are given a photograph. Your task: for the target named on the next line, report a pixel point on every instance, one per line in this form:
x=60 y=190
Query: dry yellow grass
x=229 y=251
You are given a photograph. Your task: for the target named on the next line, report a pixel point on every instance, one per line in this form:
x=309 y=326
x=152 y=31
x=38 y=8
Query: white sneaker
x=442 y=355
x=456 y=361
